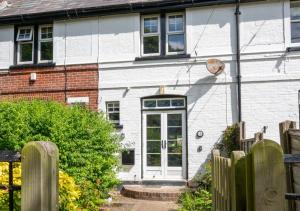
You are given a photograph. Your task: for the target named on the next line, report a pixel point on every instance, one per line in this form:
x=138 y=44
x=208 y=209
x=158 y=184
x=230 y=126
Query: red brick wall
x=52 y=83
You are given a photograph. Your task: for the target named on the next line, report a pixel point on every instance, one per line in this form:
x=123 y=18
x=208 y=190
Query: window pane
x=163 y=103
x=153 y=134
x=174 y=119
x=114 y=116
x=150 y=25
x=175 y=147
x=46 y=50
x=295 y=10
x=177 y=103
x=25 y=52
x=153 y=147
x=295 y=28
x=174 y=133
x=153 y=160
x=150 y=103
x=174 y=160
x=46 y=32
x=153 y=120
x=175 y=23
x=151 y=45
x=176 y=43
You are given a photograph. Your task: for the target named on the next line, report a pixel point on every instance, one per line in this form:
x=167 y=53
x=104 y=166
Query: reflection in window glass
x=178 y=103
x=150 y=103
x=113 y=112
x=163 y=103
x=176 y=43
x=151 y=45
x=176 y=23
x=25 y=52
x=151 y=25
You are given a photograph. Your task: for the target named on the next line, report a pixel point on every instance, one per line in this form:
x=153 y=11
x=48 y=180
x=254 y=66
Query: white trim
x=150 y=35
x=175 y=33
x=113 y=112
x=40 y=40
x=167 y=107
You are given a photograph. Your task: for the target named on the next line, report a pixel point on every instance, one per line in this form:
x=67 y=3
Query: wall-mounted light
x=32 y=76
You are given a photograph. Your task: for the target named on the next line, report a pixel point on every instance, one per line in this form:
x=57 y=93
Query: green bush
x=229 y=141
x=86 y=141
x=200 y=200
x=69 y=192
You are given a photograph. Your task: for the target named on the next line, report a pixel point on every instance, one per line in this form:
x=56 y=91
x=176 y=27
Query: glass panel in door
x=153 y=144
x=175 y=140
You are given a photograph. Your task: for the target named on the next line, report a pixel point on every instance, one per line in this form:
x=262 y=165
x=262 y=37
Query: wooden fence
x=290 y=142
x=251 y=182
x=39 y=190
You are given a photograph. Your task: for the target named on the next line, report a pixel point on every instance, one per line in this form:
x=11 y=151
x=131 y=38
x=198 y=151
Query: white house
x=153 y=80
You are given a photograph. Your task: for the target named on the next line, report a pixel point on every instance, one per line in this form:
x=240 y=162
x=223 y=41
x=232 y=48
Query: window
x=46 y=43
x=151 y=35
x=27 y=51
x=25 y=45
x=175 y=34
x=163 y=34
x=79 y=101
x=164 y=103
x=113 y=112
x=295 y=21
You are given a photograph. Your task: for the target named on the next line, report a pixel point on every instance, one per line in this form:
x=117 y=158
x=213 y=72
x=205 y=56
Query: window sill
x=149 y=58
x=23 y=66
x=293 y=49
x=118 y=127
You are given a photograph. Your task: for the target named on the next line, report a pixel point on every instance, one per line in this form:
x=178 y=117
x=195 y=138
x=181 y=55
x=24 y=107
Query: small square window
x=295 y=21
x=128 y=157
x=113 y=112
x=24 y=34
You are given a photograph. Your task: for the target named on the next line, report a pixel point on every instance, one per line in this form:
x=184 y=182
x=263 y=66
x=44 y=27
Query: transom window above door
x=164 y=103
x=163 y=34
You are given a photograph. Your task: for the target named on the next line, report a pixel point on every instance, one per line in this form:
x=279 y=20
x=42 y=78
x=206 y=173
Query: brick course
x=52 y=83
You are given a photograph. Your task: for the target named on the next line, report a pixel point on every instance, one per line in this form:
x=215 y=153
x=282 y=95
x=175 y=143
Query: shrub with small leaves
x=69 y=192
x=196 y=200
x=87 y=143
x=229 y=141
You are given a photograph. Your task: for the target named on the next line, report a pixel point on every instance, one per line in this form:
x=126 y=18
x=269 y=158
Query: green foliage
x=200 y=200
x=86 y=142
x=229 y=140
x=204 y=180
x=69 y=192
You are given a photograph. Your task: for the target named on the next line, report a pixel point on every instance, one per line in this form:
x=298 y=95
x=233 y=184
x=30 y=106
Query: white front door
x=164 y=145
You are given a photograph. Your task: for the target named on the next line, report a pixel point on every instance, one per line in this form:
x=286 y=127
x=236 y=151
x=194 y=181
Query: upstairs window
x=113 y=112
x=295 y=21
x=30 y=53
x=163 y=34
x=25 y=45
x=46 y=43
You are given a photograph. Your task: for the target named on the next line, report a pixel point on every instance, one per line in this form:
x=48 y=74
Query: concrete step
x=153 y=192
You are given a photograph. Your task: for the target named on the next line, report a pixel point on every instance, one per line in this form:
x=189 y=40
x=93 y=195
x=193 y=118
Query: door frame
x=186 y=164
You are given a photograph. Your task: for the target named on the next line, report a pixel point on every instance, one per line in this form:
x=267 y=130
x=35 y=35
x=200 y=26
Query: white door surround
x=164 y=144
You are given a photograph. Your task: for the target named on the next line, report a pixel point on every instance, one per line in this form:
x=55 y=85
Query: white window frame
x=24 y=42
x=40 y=40
x=78 y=100
x=115 y=122
x=167 y=107
x=28 y=39
x=151 y=35
x=174 y=33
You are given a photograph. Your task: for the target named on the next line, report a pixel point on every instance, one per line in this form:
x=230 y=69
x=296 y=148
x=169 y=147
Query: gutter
x=238 y=59
x=141 y=7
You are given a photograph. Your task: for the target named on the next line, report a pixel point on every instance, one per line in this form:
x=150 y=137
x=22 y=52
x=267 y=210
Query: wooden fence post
x=242 y=133
x=214 y=177
x=39 y=177
x=268 y=186
x=238 y=181
x=287 y=149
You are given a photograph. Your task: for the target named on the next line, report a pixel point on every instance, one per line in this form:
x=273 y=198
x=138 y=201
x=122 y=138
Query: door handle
x=165 y=142
x=162 y=144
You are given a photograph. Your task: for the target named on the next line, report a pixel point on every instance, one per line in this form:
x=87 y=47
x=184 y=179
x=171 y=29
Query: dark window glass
x=151 y=45
x=150 y=103
x=25 y=52
x=153 y=146
x=163 y=103
x=175 y=160
x=177 y=103
x=295 y=29
x=175 y=147
x=128 y=157
x=46 y=50
x=174 y=119
x=153 y=120
x=153 y=160
x=176 y=43
x=153 y=134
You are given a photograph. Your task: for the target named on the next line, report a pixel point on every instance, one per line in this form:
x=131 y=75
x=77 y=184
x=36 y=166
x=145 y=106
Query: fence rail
x=251 y=182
